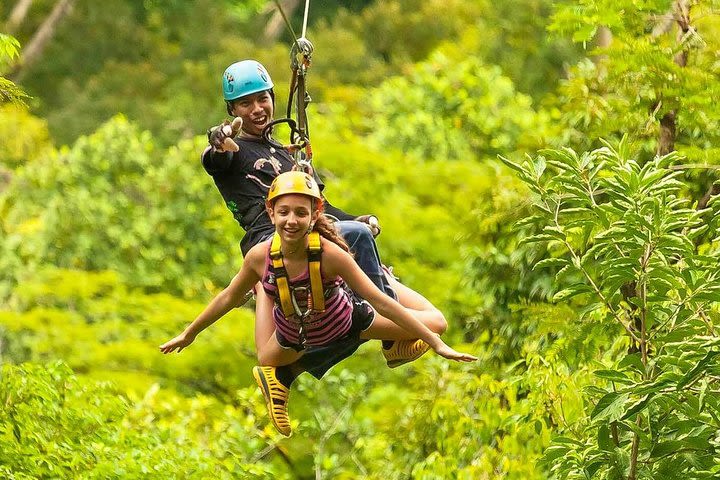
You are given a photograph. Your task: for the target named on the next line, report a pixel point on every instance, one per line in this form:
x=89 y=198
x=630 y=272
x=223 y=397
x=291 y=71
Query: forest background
x=544 y=171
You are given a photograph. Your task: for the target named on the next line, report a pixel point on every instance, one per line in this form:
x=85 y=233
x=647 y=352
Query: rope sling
x=300 y=60
x=301 y=151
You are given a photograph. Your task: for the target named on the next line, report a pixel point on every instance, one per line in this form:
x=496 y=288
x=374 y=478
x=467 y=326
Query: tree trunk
x=668 y=130
x=34 y=49
x=666 y=142
x=604 y=37
x=274 y=27
x=712 y=191
x=17 y=16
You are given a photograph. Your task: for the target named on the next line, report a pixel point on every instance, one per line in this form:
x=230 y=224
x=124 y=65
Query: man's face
x=256 y=111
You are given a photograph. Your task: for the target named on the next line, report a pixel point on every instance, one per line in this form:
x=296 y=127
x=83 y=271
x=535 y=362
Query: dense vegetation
x=545 y=172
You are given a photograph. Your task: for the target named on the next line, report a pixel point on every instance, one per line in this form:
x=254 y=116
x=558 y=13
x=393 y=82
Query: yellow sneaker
x=404 y=351
x=276 y=398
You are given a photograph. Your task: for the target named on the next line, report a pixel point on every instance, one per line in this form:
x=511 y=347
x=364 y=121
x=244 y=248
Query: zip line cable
x=299 y=136
x=307 y=7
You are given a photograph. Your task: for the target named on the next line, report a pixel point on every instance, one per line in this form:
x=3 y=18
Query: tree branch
x=17 y=16
x=274 y=27
x=39 y=41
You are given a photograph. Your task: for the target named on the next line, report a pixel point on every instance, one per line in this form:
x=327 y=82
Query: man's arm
x=214 y=161
x=371 y=220
x=336 y=212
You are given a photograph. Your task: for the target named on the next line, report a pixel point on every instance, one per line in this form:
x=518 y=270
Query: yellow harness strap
x=316 y=287
x=281 y=276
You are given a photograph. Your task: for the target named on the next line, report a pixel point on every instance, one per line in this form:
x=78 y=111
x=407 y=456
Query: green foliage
x=176 y=60
x=638 y=78
x=453 y=109
x=9 y=92
x=113 y=201
x=100 y=328
x=351 y=421
x=513 y=35
x=445 y=423
x=413 y=100
x=425 y=209
x=47 y=429
x=23 y=137
x=54 y=424
x=625 y=231
x=9 y=47
x=403 y=31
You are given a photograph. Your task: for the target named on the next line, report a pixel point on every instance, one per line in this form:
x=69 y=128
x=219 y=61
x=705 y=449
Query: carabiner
x=302 y=337
x=301 y=46
x=298 y=140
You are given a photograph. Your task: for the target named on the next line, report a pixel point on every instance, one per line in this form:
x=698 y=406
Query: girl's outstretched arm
x=225 y=301
x=338 y=262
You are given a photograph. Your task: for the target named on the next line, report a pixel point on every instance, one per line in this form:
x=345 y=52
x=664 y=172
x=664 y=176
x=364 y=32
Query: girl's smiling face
x=293 y=216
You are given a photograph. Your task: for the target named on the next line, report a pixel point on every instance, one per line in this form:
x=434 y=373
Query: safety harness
x=300 y=58
x=316 y=294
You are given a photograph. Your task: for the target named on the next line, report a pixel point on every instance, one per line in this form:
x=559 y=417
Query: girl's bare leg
x=269 y=351
x=264 y=324
x=272 y=354
x=419 y=306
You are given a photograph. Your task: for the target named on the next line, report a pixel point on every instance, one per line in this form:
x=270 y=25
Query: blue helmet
x=244 y=78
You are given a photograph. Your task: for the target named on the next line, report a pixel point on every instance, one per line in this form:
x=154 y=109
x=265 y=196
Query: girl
x=311 y=279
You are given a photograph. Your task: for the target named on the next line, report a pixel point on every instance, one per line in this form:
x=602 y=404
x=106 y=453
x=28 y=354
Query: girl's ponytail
x=326 y=228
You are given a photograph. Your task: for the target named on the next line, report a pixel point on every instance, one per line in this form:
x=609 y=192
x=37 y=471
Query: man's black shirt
x=243 y=179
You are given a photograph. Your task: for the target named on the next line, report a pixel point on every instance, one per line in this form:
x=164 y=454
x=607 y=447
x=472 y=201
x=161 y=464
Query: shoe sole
x=265 y=389
x=403 y=361
x=260 y=380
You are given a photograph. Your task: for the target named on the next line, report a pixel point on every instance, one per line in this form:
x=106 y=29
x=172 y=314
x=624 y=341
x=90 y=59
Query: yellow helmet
x=293 y=182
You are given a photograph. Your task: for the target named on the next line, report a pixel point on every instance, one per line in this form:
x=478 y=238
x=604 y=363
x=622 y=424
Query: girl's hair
x=326 y=228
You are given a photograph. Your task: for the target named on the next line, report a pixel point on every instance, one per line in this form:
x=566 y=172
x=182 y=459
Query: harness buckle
x=302 y=337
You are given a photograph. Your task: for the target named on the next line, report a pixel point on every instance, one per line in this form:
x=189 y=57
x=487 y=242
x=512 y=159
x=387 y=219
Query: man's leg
x=362 y=245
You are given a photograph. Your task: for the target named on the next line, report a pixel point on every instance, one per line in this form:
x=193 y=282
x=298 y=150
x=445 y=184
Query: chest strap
x=316 y=299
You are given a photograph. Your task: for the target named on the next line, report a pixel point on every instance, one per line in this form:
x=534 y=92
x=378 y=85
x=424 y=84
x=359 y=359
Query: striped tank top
x=320 y=328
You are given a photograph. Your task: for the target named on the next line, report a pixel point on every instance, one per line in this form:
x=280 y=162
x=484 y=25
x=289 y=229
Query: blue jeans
x=362 y=245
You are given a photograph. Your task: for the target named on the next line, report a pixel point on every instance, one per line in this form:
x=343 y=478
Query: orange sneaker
x=276 y=398
x=404 y=351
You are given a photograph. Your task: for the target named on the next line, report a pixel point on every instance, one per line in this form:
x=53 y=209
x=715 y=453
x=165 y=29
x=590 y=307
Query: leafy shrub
x=625 y=238
x=114 y=202
x=54 y=424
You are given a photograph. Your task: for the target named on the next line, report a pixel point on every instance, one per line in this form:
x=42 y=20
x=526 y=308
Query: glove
x=372 y=222
x=220 y=137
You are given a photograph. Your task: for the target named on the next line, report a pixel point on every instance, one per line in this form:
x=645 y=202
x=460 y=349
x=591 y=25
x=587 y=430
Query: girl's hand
x=445 y=351
x=177 y=343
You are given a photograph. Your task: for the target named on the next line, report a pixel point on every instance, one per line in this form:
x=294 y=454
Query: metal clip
x=301 y=46
x=300 y=314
